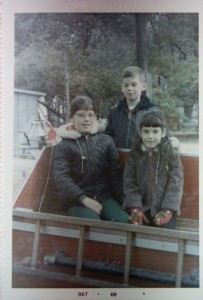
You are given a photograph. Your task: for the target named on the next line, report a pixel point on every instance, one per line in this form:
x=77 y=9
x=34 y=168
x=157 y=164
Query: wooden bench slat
x=187 y=224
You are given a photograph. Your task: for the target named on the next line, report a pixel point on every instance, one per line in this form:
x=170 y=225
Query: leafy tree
x=184 y=84
x=84 y=53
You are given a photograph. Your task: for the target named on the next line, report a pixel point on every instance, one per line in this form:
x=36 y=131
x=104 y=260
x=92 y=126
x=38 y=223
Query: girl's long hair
x=156 y=119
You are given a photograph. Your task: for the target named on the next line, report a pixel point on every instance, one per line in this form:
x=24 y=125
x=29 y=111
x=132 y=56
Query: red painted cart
x=51 y=249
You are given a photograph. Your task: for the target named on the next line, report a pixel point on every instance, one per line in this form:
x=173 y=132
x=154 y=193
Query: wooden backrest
x=39 y=191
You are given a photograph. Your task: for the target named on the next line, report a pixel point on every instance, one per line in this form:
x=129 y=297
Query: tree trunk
x=141 y=46
x=141 y=49
x=188 y=111
x=66 y=85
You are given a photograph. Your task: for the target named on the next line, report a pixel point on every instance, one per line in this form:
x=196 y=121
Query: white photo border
x=9 y=8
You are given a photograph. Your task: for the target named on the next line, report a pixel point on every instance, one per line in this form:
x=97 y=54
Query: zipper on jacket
x=91 y=164
x=150 y=183
x=129 y=123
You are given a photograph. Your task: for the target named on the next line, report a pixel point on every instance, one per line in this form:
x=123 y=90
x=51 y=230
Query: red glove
x=163 y=217
x=137 y=217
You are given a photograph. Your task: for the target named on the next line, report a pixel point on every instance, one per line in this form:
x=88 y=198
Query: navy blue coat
x=123 y=125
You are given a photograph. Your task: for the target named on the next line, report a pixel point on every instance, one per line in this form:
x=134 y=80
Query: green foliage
x=162 y=98
x=184 y=81
x=98 y=47
x=180 y=89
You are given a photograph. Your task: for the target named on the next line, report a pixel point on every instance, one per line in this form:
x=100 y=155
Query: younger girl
x=153 y=176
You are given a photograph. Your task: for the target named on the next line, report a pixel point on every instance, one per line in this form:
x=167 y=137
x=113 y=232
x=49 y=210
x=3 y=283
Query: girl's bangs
x=152 y=120
x=152 y=123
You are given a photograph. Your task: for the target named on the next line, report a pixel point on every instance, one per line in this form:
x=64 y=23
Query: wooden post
x=127 y=258
x=35 y=244
x=179 y=269
x=80 y=251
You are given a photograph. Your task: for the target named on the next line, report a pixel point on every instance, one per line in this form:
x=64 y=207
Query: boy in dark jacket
x=87 y=169
x=124 y=118
x=153 y=176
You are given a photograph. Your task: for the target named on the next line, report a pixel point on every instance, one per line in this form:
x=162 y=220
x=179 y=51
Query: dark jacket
x=87 y=165
x=153 y=182
x=123 y=125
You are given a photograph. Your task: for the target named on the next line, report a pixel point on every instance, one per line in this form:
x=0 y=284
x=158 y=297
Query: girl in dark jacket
x=87 y=168
x=153 y=176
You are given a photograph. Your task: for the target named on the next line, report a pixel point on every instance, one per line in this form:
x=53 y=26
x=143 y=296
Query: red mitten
x=137 y=217
x=163 y=217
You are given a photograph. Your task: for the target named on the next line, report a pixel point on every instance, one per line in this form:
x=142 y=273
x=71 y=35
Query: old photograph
x=104 y=152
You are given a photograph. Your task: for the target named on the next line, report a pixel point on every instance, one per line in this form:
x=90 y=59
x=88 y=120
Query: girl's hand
x=137 y=217
x=92 y=204
x=163 y=217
